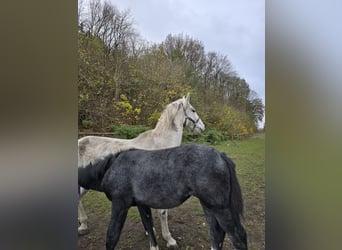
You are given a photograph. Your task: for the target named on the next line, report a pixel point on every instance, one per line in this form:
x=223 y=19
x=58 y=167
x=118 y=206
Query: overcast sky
x=232 y=28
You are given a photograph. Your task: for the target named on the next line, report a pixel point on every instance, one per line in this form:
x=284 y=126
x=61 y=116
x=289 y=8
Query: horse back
x=93 y=148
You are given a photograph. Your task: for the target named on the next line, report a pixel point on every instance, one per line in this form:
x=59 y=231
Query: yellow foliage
x=123 y=97
x=153 y=119
x=228 y=119
x=128 y=112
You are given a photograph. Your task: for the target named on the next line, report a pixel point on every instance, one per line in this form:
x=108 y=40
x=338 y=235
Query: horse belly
x=162 y=203
x=161 y=199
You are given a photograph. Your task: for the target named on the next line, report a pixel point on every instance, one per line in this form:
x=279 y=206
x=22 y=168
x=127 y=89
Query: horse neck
x=87 y=178
x=169 y=129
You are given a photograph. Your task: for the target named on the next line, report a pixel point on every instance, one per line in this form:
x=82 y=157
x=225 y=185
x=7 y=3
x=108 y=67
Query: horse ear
x=187 y=98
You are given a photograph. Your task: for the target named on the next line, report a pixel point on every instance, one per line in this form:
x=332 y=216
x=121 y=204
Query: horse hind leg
x=232 y=227
x=216 y=232
x=171 y=242
x=147 y=219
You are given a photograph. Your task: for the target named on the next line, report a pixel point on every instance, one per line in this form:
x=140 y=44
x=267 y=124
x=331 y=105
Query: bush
x=191 y=137
x=87 y=124
x=127 y=131
x=213 y=136
x=210 y=136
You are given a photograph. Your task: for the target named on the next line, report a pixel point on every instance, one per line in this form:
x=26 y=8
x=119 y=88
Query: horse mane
x=167 y=116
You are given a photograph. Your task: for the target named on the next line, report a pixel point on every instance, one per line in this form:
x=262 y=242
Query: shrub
x=127 y=131
x=210 y=136
x=213 y=136
x=87 y=124
x=190 y=137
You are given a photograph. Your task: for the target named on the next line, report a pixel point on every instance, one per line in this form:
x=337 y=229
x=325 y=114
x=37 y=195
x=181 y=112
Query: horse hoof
x=83 y=231
x=173 y=246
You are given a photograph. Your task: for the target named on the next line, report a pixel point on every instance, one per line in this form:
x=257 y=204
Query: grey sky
x=232 y=28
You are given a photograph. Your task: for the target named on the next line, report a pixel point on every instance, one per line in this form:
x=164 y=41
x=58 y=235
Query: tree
x=125 y=80
x=255 y=107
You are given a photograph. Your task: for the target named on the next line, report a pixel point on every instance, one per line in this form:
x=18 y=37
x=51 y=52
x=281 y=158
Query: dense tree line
x=122 y=79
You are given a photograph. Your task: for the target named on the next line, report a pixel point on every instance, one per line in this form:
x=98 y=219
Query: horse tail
x=235 y=198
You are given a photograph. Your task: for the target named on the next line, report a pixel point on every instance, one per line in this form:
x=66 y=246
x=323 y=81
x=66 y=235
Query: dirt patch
x=187 y=225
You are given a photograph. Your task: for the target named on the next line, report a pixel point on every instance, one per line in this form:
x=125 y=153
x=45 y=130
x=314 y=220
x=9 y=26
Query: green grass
x=249 y=156
x=133 y=213
x=98 y=203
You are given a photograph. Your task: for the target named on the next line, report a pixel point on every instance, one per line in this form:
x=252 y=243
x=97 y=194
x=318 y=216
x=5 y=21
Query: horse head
x=192 y=121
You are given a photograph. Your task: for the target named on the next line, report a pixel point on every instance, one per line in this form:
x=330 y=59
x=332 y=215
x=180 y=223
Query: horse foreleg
x=82 y=217
x=117 y=221
x=216 y=232
x=147 y=219
x=171 y=242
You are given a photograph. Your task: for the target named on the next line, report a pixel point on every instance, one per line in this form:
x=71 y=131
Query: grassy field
x=187 y=223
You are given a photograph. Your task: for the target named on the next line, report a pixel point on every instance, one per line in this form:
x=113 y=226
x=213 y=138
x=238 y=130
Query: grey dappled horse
x=164 y=179
x=167 y=133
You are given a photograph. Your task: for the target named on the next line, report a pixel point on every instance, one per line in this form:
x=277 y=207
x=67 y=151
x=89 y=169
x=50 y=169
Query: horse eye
x=193 y=110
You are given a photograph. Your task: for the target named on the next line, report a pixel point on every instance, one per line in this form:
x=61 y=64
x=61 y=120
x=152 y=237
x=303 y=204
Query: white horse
x=166 y=134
